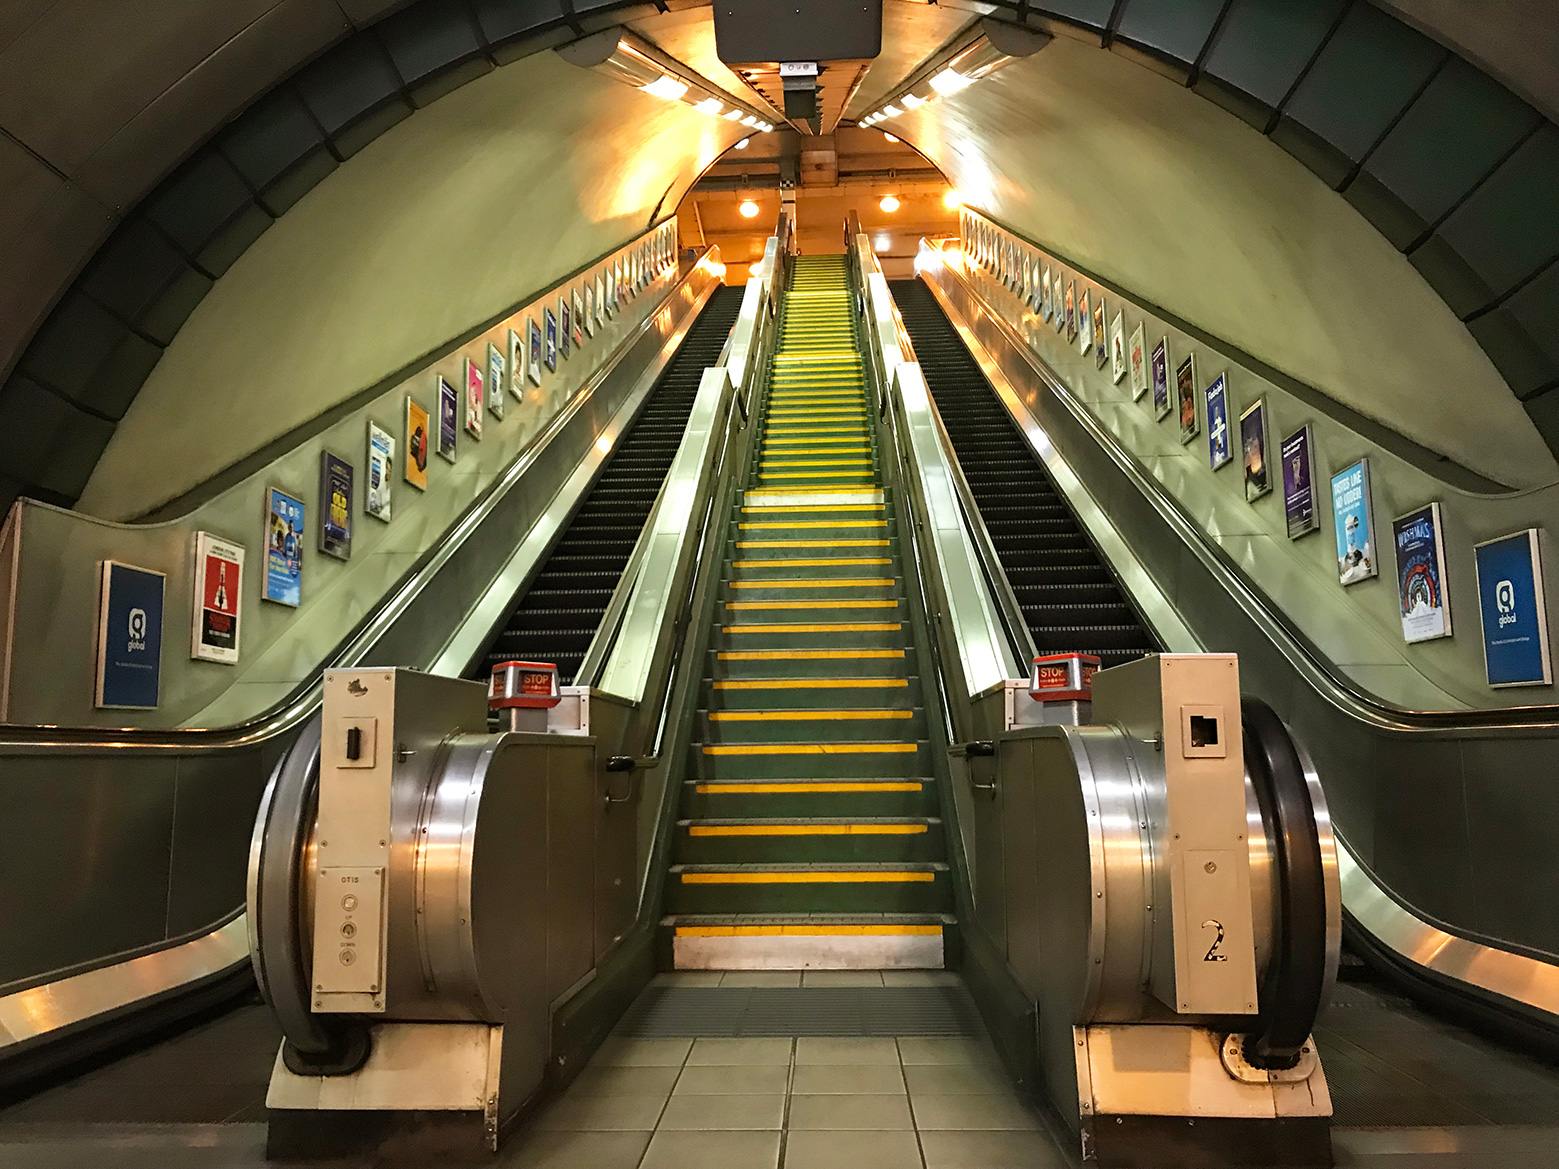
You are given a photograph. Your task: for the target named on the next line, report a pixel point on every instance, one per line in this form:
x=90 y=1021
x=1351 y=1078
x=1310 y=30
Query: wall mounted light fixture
x=989 y=46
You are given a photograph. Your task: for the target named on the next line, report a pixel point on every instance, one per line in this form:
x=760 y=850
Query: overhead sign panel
x=752 y=32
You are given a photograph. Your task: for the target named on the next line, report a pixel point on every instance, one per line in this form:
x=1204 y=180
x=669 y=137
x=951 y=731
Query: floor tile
x=841 y=978
x=539 y=1149
x=761 y=978
x=724 y=1112
x=712 y=1150
x=621 y=1051
x=624 y=1081
x=929 y=1049
x=764 y=1080
x=920 y=978
x=852 y=1150
x=601 y=1113
x=810 y=1049
x=990 y=1150
x=850 y=1112
x=734 y=1052
x=956 y=1079
x=850 y=1079
x=972 y=1112
x=687 y=978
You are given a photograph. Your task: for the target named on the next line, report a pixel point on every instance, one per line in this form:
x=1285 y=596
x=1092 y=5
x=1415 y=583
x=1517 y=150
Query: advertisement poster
x=129 y=637
x=1185 y=399
x=1047 y=305
x=609 y=288
x=533 y=361
x=1137 y=359
x=448 y=420
x=516 y=365
x=381 y=463
x=219 y=577
x=1515 y=617
x=495 y=380
x=1159 y=363
x=580 y=317
x=600 y=300
x=417 y=442
x=1101 y=343
x=1253 y=447
x=1298 y=454
x=550 y=353
x=476 y=399
x=1071 y=310
x=283 y=548
x=1425 y=606
x=335 y=506
x=589 y=307
x=1354 y=524
x=565 y=328
x=1117 y=349
x=1219 y=448
x=1084 y=325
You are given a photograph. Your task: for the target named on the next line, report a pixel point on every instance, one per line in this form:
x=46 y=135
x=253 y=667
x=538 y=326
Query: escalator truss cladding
x=1070 y=599
x=556 y=618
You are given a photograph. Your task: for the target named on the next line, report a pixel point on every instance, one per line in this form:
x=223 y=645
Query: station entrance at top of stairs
x=810 y=834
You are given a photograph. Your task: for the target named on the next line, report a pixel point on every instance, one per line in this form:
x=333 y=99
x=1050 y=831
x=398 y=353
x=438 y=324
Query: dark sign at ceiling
x=753 y=32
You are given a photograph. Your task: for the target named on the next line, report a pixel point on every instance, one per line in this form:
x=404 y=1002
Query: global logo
x=137 y=629
x=1505 y=602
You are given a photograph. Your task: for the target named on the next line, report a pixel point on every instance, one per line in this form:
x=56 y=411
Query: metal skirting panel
x=744 y=1012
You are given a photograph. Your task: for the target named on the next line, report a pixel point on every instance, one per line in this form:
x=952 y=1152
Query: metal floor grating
x=743 y=1012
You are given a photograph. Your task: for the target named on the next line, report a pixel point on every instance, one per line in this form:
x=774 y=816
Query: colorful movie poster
x=1047 y=306
x=283 y=548
x=1137 y=358
x=418 y=440
x=1084 y=324
x=1512 y=606
x=565 y=328
x=533 y=361
x=578 y=302
x=218 y=585
x=1253 y=447
x=550 y=353
x=1354 y=524
x=1219 y=448
x=1421 y=593
x=600 y=300
x=1185 y=398
x=495 y=380
x=1117 y=349
x=335 y=506
x=476 y=398
x=1101 y=342
x=1298 y=454
x=1071 y=310
x=516 y=365
x=448 y=420
x=381 y=468
x=1159 y=364
x=129 y=637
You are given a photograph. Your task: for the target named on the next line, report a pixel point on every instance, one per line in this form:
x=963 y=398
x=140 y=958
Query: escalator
x=556 y=618
x=1070 y=600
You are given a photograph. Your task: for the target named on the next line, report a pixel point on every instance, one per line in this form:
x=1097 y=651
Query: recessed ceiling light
x=952 y=199
x=890 y=203
x=742 y=145
x=748 y=209
x=889 y=137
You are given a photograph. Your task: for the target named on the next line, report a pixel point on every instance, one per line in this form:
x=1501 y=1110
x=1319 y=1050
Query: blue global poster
x=129 y=637
x=551 y=354
x=1159 y=363
x=1426 y=609
x=448 y=419
x=1515 y=619
x=1299 y=483
x=283 y=548
x=1353 y=524
x=1219 y=448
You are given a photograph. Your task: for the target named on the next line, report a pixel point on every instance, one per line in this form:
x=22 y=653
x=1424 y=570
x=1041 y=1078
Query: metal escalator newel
x=522 y=693
x=1061 y=685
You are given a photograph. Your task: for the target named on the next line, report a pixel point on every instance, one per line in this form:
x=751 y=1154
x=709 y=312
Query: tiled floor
x=805 y=1103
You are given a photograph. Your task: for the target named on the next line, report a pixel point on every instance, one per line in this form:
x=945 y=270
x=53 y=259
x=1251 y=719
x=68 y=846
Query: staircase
x=809 y=836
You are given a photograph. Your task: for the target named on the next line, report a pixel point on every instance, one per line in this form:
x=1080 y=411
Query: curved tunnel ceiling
x=169 y=73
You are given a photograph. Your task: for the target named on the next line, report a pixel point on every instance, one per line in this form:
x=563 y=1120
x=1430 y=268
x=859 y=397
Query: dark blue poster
x=551 y=354
x=1219 y=448
x=1515 y=621
x=129 y=637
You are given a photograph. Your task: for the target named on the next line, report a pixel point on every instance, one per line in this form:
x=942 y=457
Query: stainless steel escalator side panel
x=1094 y=472
x=62 y=999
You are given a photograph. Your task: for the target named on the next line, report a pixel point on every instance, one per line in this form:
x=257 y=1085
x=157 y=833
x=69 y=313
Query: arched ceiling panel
x=1145 y=185
x=444 y=222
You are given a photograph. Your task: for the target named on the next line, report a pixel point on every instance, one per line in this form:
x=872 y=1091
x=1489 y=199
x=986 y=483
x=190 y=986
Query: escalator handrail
x=1291 y=642
x=296 y=708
